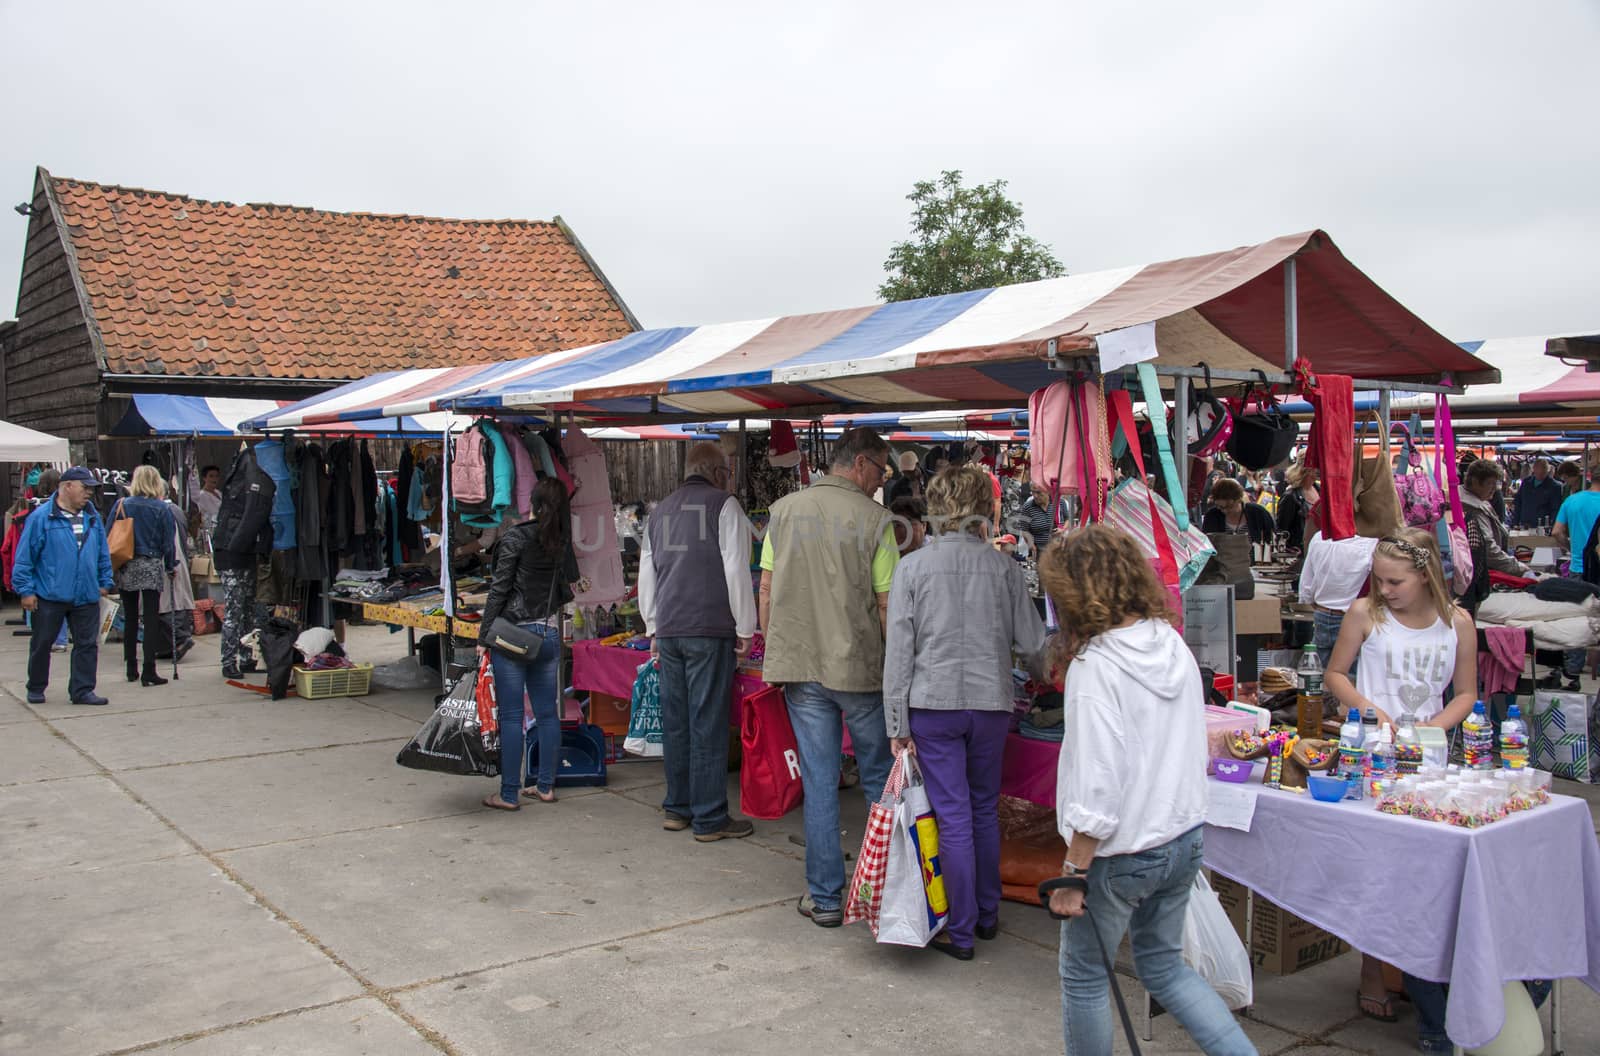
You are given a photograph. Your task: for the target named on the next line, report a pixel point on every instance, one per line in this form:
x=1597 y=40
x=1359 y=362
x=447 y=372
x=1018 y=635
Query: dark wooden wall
x=643 y=470
x=52 y=381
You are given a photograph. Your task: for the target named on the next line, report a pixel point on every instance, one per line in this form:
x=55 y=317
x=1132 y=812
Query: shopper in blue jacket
x=63 y=568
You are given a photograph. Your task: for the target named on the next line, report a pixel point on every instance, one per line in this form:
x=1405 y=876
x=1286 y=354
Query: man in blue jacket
x=63 y=567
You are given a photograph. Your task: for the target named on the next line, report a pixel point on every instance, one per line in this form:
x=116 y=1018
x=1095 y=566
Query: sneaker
x=675 y=823
x=92 y=700
x=822 y=918
x=35 y=698
x=60 y=648
x=735 y=829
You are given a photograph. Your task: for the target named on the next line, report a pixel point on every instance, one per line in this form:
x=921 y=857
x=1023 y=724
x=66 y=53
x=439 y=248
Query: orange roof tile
x=180 y=286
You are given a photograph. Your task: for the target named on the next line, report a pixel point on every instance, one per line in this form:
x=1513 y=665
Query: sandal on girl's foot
x=532 y=792
x=494 y=802
x=1378 y=1008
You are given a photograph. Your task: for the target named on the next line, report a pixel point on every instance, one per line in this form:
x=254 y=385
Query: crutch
x=172 y=615
x=1082 y=884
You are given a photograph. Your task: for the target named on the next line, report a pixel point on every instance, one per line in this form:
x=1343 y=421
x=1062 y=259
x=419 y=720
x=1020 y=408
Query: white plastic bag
x=914 y=906
x=1212 y=948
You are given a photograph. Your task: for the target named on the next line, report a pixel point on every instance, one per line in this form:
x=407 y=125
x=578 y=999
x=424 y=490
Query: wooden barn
x=127 y=291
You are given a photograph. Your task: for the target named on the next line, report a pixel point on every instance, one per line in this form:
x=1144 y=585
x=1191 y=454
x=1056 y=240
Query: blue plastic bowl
x=1326 y=789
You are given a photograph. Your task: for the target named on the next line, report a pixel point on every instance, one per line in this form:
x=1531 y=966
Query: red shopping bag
x=483 y=691
x=769 y=775
x=864 y=900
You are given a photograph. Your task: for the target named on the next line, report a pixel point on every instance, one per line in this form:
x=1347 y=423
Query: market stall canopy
x=982 y=348
x=20 y=444
x=151 y=414
x=1531 y=380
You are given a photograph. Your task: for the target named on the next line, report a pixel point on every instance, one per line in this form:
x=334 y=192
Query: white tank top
x=1404 y=671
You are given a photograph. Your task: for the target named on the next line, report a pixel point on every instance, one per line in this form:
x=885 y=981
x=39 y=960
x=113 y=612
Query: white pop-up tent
x=19 y=444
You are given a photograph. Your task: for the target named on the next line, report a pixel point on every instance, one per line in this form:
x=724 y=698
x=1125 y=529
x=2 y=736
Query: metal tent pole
x=1180 y=440
x=1291 y=316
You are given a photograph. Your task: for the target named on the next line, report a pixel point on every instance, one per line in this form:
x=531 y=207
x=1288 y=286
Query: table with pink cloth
x=1029 y=768
x=611 y=669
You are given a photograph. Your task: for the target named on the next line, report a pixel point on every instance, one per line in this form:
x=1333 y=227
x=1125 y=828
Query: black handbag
x=512 y=640
x=1264 y=438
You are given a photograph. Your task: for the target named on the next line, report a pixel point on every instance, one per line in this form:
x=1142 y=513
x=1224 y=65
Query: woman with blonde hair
x=1130 y=790
x=145 y=575
x=957 y=611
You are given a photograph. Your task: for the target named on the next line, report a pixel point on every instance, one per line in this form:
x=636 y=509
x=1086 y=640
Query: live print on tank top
x=1406 y=671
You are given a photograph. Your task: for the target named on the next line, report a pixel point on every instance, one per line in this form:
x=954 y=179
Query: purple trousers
x=960 y=753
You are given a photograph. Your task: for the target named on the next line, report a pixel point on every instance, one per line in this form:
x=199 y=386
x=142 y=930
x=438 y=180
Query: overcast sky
x=725 y=161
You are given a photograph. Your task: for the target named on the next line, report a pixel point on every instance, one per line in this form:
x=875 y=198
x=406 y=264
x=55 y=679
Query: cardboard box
x=1281 y=942
x=1258 y=616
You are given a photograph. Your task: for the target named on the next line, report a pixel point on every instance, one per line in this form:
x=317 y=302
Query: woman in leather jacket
x=535 y=574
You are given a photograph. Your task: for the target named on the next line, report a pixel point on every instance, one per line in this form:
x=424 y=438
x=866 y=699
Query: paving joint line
x=196 y=1035
x=248 y=755
x=406 y=988
x=346 y=832
x=368 y=987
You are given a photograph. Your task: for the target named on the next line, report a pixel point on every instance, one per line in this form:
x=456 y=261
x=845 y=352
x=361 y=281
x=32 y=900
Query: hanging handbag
x=1208 y=423
x=1265 y=437
x=1452 y=529
x=1377 y=504
x=120 y=538
x=1422 y=501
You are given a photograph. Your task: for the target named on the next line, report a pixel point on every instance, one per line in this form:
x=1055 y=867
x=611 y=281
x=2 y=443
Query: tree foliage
x=963 y=238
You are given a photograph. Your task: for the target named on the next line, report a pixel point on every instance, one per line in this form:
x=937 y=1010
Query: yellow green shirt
x=884 y=560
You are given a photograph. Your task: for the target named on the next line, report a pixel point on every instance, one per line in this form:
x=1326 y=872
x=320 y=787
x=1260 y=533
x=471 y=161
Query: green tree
x=963 y=238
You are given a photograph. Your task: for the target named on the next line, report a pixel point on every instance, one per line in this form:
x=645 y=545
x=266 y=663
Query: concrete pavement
x=199 y=870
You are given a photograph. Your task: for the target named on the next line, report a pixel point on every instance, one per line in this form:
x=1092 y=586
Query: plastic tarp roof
x=982 y=348
x=154 y=414
x=21 y=444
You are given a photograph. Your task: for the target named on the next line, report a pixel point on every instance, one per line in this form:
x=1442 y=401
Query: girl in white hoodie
x=1131 y=793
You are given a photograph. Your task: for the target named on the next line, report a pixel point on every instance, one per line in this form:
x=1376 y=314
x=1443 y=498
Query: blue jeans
x=534 y=677
x=815 y=712
x=1147 y=893
x=696 y=690
x=48 y=620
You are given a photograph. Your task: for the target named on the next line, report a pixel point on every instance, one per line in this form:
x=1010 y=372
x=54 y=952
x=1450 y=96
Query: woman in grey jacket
x=957 y=610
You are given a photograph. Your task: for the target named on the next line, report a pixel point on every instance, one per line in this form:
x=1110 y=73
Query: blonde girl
x=1413 y=642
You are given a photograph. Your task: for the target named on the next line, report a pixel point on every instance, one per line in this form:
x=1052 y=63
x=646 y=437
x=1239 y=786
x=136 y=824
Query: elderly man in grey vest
x=695 y=597
x=827 y=566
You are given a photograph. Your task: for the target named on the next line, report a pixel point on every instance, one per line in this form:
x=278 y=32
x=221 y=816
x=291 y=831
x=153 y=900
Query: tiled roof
x=179 y=286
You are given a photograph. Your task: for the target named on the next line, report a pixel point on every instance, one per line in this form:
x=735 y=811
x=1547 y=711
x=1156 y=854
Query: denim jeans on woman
x=1146 y=894
x=818 y=714
x=535 y=677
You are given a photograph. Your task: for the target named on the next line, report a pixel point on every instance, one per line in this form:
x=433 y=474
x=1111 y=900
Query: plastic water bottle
x=1383 y=763
x=1309 y=701
x=1369 y=727
x=1514 y=740
x=1477 y=739
x=1407 y=746
x=580 y=626
x=1352 y=755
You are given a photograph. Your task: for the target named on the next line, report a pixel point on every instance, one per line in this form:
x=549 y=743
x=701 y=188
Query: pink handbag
x=1065 y=417
x=1452 y=530
x=1422 y=500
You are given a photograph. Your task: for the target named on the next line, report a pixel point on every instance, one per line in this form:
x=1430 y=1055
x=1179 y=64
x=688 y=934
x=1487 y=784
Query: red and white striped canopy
x=986 y=348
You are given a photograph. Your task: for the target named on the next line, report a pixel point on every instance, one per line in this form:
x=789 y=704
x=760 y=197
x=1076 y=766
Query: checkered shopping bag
x=865 y=897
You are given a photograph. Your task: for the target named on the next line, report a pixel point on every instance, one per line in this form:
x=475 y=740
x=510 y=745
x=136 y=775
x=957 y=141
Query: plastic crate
x=583 y=755
x=339 y=682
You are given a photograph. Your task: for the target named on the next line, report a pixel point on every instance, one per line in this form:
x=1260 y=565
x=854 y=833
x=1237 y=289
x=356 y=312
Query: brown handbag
x=119 y=538
x=1377 y=502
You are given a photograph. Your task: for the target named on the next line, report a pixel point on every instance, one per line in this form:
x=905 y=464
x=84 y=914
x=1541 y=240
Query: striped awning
x=977 y=349
x=153 y=414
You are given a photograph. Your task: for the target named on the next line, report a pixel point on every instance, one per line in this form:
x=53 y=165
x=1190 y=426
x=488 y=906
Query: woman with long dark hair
x=535 y=574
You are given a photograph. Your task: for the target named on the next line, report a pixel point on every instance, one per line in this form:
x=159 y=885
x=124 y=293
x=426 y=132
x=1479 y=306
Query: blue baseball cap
x=77 y=473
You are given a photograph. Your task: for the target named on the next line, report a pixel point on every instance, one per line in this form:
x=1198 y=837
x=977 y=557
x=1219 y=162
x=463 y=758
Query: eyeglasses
x=882 y=467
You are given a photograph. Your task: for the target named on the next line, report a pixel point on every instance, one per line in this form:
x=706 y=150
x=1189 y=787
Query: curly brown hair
x=1098 y=578
x=960 y=497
